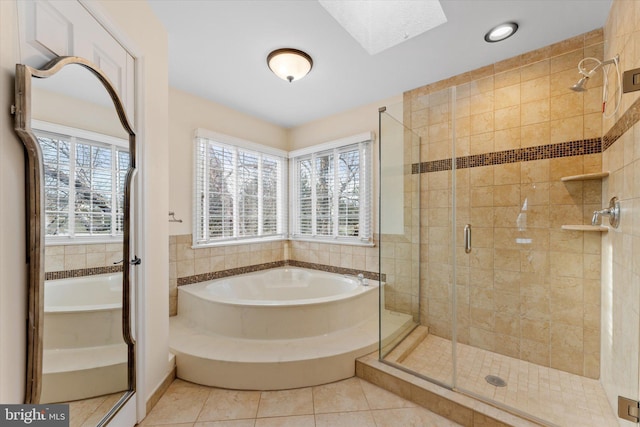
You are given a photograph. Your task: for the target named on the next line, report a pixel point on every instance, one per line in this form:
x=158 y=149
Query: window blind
x=239 y=192
x=332 y=191
x=83 y=182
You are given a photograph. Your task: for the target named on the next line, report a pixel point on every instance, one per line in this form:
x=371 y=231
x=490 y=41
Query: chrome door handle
x=134 y=261
x=467 y=238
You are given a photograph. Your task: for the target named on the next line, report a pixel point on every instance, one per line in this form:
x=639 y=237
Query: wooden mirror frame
x=35 y=227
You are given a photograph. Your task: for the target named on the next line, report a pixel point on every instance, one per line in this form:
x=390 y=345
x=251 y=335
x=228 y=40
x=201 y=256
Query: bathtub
x=276 y=329
x=280 y=303
x=83 y=311
x=84 y=352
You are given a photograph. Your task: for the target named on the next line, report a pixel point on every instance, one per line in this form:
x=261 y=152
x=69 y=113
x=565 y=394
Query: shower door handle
x=467 y=238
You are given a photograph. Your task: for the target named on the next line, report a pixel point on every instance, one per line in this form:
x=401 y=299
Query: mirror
x=80 y=154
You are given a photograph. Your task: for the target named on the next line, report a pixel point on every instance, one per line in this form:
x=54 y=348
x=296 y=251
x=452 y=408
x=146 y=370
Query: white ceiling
x=218 y=50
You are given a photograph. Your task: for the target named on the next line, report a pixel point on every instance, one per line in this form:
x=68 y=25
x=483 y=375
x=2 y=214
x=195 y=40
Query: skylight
x=380 y=24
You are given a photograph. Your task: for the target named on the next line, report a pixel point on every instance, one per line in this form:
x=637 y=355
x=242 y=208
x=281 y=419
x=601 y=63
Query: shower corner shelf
x=585 y=227
x=585 y=177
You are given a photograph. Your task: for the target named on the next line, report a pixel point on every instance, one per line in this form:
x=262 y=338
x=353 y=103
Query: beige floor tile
x=230 y=405
x=286 y=402
x=379 y=398
x=295 y=421
x=180 y=404
x=107 y=403
x=172 y=425
x=81 y=410
x=410 y=417
x=229 y=423
x=341 y=396
x=345 y=419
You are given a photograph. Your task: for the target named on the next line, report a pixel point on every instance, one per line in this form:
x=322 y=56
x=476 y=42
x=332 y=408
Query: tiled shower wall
x=528 y=289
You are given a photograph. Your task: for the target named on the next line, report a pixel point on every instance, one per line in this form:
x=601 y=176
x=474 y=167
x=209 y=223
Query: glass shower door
x=420 y=130
x=398 y=232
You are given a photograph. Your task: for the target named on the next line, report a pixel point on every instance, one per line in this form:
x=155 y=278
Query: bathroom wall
x=79 y=259
x=621 y=246
x=528 y=289
x=188 y=265
x=362 y=119
x=13 y=272
x=151 y=41
x=189 y=112
x=68 y=258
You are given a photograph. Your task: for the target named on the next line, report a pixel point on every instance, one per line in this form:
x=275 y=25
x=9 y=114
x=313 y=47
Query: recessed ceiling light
x=501 y=32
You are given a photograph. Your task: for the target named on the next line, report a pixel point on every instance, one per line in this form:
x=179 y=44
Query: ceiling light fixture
x=289 y=64
x=501 y=32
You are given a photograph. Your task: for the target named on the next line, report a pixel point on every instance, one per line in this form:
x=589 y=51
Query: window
x=84 y=175
x=331 y=191
x=239 y=190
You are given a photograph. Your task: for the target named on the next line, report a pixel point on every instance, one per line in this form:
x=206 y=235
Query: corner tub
x=84 y=353
x=280 y=303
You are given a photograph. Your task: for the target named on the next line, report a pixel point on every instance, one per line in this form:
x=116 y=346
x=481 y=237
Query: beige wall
x=189 y=112
x=151 y=41
x=13 y=277
x=621 y=247
x=528 y=289
x=345 y=123
x=54 y=107
x=81 y=256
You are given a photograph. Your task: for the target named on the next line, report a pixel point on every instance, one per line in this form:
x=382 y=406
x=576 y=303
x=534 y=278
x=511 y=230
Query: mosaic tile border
x=541 y=152
x=549 y=151
x=205 y=277
x=66 y=274
x=624 y=123
x=338 y=270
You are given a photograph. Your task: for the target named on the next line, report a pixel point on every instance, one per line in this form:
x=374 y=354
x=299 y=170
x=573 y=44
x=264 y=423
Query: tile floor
x=89 y=412
x=548 y=394
x=352 y=403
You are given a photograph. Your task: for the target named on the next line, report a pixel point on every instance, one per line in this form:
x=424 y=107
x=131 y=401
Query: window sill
x=64 y=241
x=238 y=242
x=332 y=241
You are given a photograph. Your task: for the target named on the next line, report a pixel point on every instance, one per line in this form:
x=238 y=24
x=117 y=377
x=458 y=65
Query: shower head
x=581 y=85
x=586 y=75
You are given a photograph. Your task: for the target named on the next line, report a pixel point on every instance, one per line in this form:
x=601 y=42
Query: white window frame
x=200 y=213
x=73 y=135
x=364 y=142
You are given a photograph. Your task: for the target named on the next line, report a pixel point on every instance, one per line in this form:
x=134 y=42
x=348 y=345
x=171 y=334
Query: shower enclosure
x=506 y=305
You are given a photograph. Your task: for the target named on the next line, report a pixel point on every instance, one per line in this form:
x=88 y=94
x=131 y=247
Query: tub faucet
x=363 y=281
x=360 y=277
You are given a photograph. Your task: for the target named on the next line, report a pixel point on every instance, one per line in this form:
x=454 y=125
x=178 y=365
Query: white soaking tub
x=275 y=329
x=280 y=303
x=84 y=352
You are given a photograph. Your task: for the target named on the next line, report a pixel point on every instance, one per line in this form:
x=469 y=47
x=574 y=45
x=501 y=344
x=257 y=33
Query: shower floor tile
x=548 y=394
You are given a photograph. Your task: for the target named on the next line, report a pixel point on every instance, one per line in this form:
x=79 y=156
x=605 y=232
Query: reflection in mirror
x=85 y=163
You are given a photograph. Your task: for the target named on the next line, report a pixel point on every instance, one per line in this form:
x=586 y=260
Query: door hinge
x=628 y=409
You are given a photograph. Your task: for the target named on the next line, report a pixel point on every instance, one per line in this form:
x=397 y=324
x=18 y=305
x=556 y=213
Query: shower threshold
x=533 y=394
